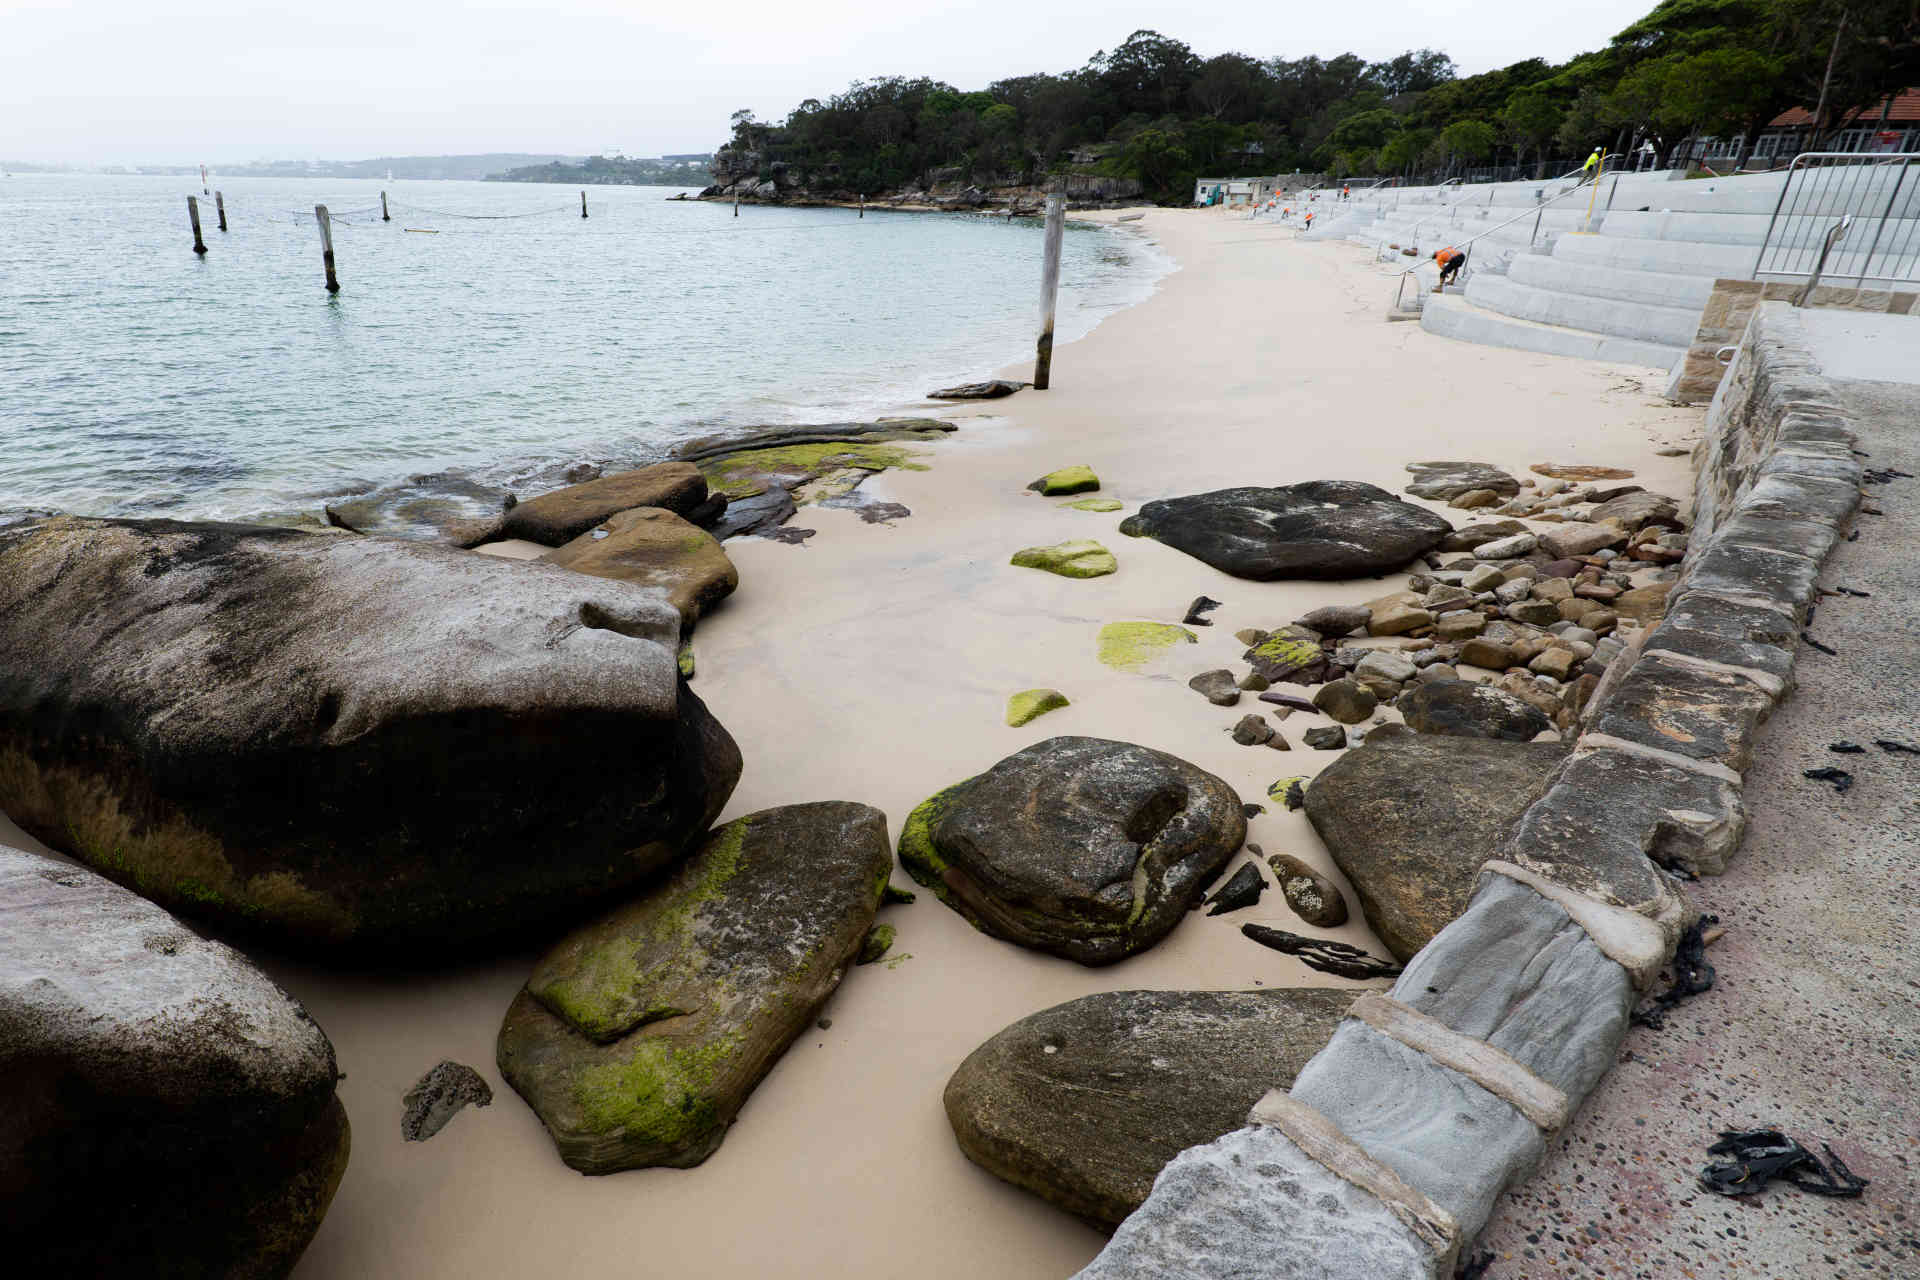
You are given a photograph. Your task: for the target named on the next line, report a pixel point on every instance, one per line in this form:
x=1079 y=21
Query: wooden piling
x=863 y=204
x=583 y=204
x=384 y=216
x=193 y=216
x=220 y=208
x=1049 y=291
x=203 y=181
x=736 y=204
x=326 y=245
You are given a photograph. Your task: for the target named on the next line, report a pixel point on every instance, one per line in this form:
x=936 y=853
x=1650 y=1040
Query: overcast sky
x=220 y=81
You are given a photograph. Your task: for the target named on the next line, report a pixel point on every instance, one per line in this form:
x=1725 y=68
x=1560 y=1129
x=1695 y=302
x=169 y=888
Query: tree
x=1148 y=72
x=1412 y=72
x=1155 y=157
x=1364 y=131
x=1530 y=119
x=1228 y=86
x=1468 y=140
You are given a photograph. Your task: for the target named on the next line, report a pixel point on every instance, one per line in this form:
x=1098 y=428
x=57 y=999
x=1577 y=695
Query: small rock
x=439 y=1096
x=1474 y=499
x=1076 y=559
x=1254 y=682
x=1554 y=589
x=1253 y=810
x=1336 y=620
x=1281 y=657
x=1519 y=544
x=1475 y=535
x=1331 y=737
x=1095 y=504
x=1313 y=897
x=1251 y=636
x=877 y=943
x=1536 y=613
x=1438 y=671
x=1461 y=624
x=1397 y=620
x=1384 y=664
x=1290 y=792
x=1030 y=705
x=1579 y=471
x=1483 y=577
x=1217 y=687
x=1448 y=480
x=1347 y=701
x=1252 y=731
x=1575 y=538
x=989 y=390
x=1066 y=480
x=1512 y=591
x=1491 y=654
x=1242 y=890
x=895 y=897
x=1201 y=605
x=1635 y=511
x=825 y=1024
x=1556 y=662
x=1461 y=709
x=1671 y=451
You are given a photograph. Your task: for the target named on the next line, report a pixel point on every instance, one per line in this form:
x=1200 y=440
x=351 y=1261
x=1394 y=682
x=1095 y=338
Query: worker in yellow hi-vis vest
x=1591 y=169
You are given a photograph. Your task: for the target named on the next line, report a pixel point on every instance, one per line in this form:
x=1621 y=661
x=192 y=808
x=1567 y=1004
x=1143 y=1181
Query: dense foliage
x=1155 y=110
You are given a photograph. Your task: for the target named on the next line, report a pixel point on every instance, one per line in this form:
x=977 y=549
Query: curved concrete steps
x=1453 y=316
x=1654 y=288
x=1664 y=326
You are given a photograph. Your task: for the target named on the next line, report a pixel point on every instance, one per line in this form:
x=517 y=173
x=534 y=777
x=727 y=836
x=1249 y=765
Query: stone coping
x=1433 y=1098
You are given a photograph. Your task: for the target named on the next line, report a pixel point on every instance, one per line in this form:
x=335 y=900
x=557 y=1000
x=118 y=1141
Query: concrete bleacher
x=1619 y=271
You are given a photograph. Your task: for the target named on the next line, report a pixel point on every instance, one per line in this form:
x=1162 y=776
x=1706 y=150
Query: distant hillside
x=466 y=167
x=615 y=171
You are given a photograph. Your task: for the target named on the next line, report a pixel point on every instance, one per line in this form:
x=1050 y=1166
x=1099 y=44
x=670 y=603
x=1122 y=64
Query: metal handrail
x=1806 y=165
x=1835 y=234
x=1537 y=211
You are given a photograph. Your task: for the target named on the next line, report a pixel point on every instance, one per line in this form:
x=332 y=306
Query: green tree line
x=1154 y=110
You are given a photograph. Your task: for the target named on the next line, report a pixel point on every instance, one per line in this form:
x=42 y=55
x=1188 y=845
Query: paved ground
x=1814 y=1024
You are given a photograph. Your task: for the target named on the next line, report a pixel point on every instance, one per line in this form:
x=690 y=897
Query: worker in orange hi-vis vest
x=1450 y=260
x=1309 y=219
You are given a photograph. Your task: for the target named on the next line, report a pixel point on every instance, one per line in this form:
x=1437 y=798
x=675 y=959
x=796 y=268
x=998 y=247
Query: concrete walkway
x=1813 y=1026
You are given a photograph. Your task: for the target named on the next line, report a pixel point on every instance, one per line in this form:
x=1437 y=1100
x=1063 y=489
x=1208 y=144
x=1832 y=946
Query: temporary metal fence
x=1881 y=196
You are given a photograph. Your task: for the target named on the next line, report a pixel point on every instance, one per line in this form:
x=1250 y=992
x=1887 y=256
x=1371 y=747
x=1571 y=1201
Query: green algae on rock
x=1095 y=504
x=1082 y=847
x=753 y=471
x=1079 y=479
x=878 y=942
x=1130 y=646
x=1283 y=657
x=1081 y=558
x=639 y=1037
x=1031 y=704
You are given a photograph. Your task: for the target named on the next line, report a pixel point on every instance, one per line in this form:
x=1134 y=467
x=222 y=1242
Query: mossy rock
x=1082 y=847
x=1077 y=559
x=1290 y=658
x=639 y=1037
x=653 y=547
x=1095 y=504
x=1030 y=705
x=685 y=660
x=1066 y=480
x=753 y=471
x=1131 y=646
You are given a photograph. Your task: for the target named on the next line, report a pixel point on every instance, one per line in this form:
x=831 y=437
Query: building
x=1892 y=124
x=1241 y=193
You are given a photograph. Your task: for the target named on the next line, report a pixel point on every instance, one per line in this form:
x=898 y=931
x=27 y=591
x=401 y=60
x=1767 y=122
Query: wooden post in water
x=220 y=208
x=863 y=204
x=1049 y=290
x=583 y=204
x=193 y=216
x=203 y=181
x=384 y=216
x=326 y=245
x=736 y=204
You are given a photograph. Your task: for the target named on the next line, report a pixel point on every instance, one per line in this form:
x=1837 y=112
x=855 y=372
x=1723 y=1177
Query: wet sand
x=873 y=663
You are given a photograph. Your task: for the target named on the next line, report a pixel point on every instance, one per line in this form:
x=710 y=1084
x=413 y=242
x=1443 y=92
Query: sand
x=873 y=663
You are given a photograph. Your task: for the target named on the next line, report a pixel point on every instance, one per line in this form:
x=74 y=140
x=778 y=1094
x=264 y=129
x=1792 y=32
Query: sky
x=91 y=82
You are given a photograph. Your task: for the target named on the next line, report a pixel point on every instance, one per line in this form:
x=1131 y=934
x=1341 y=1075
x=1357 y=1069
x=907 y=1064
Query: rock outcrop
x=344 y=743
x=168 y=1109
x=1410 y=819
x=1463 y=709
x=653 y=547
x=1320 y=529
x=1085 y=848
x=639 y=1037
x=1083 y=1103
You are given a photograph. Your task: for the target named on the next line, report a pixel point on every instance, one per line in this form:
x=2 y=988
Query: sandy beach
x=873 y=663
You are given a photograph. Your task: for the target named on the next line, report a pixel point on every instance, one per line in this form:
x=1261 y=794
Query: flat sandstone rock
x=639 y=1037
x=563 y=515
x=1083 y=1103
x=653 y=547
x=349 y=744
x=1322 y=529
x=1410 y=819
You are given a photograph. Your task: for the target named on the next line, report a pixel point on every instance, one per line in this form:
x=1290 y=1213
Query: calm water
x=137 y=379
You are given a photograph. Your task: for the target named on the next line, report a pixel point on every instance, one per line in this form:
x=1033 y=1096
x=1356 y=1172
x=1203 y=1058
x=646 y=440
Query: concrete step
x=1452 y=316
x=1655 y=288
x=1668 y=326
x=1710 y=260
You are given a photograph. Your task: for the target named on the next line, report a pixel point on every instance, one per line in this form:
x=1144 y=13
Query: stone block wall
x=1724 y=319
x=1387 y=1156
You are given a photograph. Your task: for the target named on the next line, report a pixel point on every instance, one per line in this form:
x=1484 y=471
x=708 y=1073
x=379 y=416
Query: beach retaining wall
x=1386 y=1158
x=1724 y=319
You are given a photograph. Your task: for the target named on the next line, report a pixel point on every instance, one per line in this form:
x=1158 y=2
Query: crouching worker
x=1450 y=260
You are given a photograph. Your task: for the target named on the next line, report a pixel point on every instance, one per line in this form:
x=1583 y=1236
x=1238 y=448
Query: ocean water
x=487 y=331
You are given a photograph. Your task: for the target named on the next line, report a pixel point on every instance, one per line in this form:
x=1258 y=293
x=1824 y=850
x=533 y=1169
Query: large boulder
x=1409 y=820
x=1081 y=847
x=653 y=547
x=167 y=1109
x=354 y=744
x=1320 y=529
x=439 y=507
x=556 y=518
x=1083 y=1103
x=1463 y=709
x=639 y=1037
